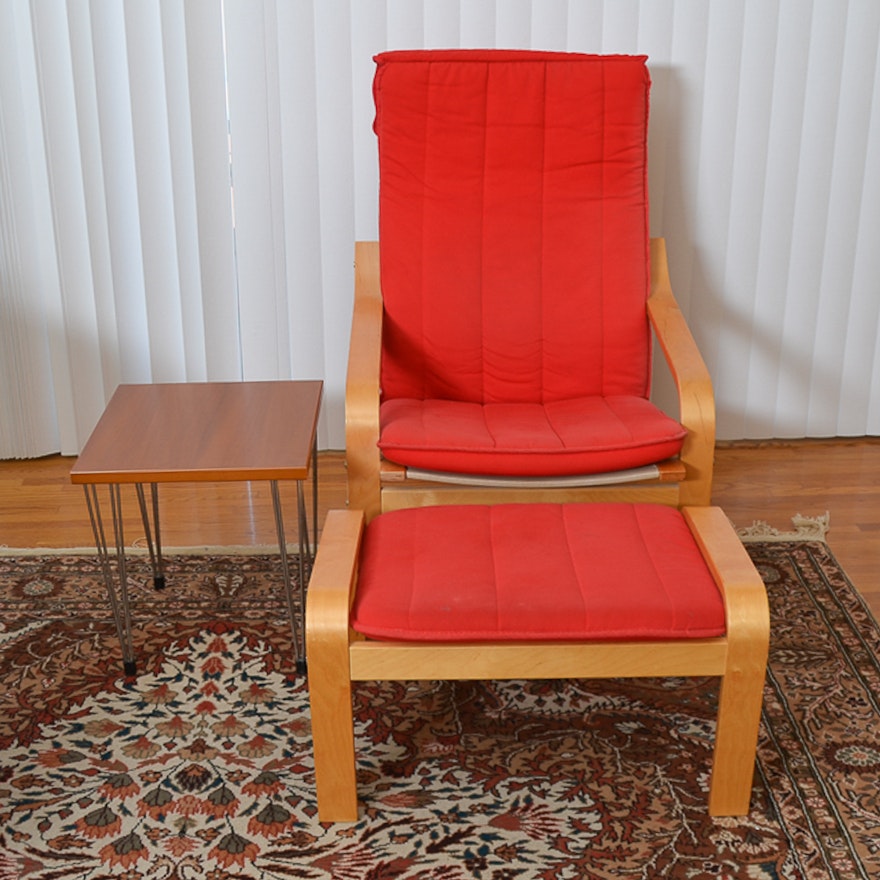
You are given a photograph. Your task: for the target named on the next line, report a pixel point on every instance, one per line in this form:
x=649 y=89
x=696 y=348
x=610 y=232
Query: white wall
x=120 y=262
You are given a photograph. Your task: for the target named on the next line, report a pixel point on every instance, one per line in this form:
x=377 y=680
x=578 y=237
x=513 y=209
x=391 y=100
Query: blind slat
x=210 y=158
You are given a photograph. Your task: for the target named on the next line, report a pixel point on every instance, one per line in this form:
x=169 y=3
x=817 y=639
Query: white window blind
x=181 y=184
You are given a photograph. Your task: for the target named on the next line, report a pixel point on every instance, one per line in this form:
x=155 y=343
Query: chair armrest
x=332 y=582
x=746 y=607
x=692 y=380
x=331 y=590
x=362 y=383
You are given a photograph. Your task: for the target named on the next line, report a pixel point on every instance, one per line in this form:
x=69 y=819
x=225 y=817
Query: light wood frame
x=376 y=485
x=337 y=656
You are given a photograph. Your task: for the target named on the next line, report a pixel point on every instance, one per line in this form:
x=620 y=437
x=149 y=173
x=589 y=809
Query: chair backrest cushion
x=513 y=224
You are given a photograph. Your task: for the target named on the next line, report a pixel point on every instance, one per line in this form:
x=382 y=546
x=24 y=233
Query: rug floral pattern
x=200 y=767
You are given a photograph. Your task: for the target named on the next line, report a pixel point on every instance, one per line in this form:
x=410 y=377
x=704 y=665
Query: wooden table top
x=203 y=431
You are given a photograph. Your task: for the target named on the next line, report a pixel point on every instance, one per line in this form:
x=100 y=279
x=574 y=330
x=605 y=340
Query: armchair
x=502 y=330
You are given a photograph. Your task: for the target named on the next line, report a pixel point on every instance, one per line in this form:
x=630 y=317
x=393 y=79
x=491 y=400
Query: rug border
x=806 y=528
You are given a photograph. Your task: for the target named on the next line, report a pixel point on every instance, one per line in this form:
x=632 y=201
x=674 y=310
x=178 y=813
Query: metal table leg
x=120 y=605
x=297 y=618
x=119 y=595
x=305 y=560
x=155 y=550
x=313 y=549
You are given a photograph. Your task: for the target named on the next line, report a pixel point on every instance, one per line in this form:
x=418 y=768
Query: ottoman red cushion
x=535 y=571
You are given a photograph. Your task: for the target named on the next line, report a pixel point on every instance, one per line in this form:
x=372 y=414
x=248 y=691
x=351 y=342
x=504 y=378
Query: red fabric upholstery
x=514 y=252
x=534 y=571
x=585 y=435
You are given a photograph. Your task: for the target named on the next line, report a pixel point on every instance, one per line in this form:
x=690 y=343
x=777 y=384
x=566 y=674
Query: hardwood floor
x=775 y=481
x=769 y=481
x=39 y=507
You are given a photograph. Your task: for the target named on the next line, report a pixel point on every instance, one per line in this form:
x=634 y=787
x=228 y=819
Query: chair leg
x=333 y=742
x=736 y=740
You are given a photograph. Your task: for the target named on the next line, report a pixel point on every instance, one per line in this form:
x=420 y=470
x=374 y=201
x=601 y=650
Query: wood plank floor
x=775 y=481
x=768 y=481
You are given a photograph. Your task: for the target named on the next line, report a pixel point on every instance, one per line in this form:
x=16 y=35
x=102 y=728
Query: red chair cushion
x=587 y=435
x=513 y=225
x=534 y=571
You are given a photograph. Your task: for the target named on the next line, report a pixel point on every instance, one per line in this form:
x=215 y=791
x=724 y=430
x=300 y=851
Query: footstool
x=534 y=591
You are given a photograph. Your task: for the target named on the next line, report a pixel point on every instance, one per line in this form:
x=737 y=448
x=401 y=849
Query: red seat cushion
x=534 y=571
x=585 y=435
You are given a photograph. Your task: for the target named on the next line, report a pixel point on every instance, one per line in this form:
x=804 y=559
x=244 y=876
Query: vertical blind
x=181 y=184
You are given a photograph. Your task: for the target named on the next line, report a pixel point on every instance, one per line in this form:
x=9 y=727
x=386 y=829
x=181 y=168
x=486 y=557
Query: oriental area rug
x=200 y=768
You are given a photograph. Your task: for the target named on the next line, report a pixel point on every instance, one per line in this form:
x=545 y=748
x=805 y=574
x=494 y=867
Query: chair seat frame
x=376 y=485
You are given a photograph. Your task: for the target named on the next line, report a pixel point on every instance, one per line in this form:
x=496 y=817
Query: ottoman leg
x=736 y=740
x=327 y=644
x=748 y=639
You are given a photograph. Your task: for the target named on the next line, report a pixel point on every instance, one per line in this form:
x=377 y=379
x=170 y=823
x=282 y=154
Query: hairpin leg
x=119 y=605
x=154 y=548
x=296 y=618
x=314 y=546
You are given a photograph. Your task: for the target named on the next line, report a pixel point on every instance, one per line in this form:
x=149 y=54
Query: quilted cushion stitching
x=423 y=205
x=493 y=542
x=612 y=413
x=482 y=269
x=566 y=531
x=604 y=257
x=543 y=245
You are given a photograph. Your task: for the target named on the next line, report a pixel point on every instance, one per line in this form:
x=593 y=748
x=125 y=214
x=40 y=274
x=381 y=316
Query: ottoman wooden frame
x=337 y=655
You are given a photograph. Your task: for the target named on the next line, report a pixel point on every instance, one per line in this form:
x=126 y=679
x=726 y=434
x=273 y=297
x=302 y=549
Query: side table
x=201 y=432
